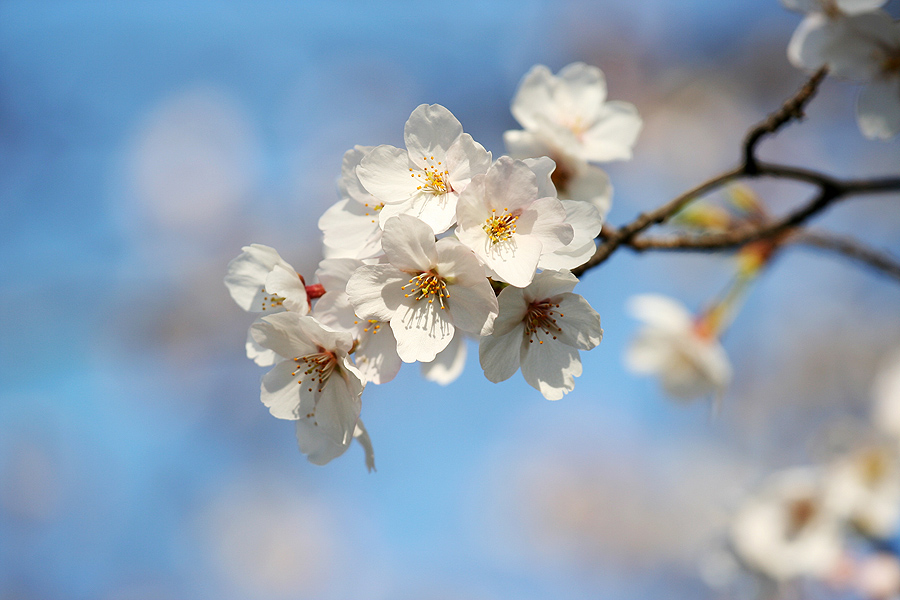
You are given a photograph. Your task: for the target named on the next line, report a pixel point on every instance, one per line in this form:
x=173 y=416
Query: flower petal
x=499 y=354
x=422 y=330
x=246 y=276
x=613 y=134
x=376 y=291
x=549 y=284
x=283 y=333
x=660 y=311
x=579 y=322
x=473 y=308
x=285 y=283
x=430 y=130
x=526 y=144
x=409 y=244
x=280 y=392
x=466 y=158
x=449 y=363
x=550 y=367
x=261 y=356
x=376 y=356
x=384 y=172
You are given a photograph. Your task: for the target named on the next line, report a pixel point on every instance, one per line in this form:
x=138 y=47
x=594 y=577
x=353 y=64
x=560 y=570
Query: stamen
x=540 y=317
x=436 y=179
x=271 y=300
x=428 y=286
x=500 y=228
x=318 y=367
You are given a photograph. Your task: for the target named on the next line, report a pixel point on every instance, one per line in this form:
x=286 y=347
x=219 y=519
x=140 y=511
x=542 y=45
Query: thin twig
x=881 y=261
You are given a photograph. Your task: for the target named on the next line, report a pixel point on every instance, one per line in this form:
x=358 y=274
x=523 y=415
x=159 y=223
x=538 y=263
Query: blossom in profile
x=313 y=382
x=259 y=280
x=540 y=329
x=508 y=225
x=567 y=118
x=351 y=227
x=425 y=291
x=788 y=529
x=683 y=351
x=425 y=179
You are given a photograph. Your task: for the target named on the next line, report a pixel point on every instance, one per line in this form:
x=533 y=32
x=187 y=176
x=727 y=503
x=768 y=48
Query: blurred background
x=142 y=144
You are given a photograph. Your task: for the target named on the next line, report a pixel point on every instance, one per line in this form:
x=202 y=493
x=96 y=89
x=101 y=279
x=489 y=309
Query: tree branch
x=830 y=191
x=880 y=261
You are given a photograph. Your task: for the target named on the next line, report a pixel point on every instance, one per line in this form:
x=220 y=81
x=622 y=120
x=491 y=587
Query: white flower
x=683 y=352
x=449 y=363
x=351 y=226
x=864 y=488
x=864 y=47
x=313 y=382
x=507 y=224
x=567 y=118
x=376 y=348
x=541 y=328
x=788 y=530
x=427 y=291
x=259 y=280
x=569 y=111
x=424 y=180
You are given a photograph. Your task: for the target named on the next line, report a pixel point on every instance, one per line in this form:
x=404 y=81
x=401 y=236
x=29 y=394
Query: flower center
x=271 y=300
x=874 y=467
x=434 y=179
x=428 y=285
x=800 y=513
x=313 y=368
x=500 y=228
x=540 y=317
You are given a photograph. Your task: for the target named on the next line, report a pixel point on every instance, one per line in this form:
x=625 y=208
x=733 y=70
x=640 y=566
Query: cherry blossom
x=567 y=118
x=541 y=328
x=426 y=290
x=788 y=529
x=376 y=348
x=683 y=351
x=259 y=280
x=351 y=227
x=313 y=382
x=507 y=224
x=424 y=180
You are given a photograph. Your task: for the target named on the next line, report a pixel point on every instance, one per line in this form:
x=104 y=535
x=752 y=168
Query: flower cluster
x=435 y=242
x=857 y=41
x=815 y=521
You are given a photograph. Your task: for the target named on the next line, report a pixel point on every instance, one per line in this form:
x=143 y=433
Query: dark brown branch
x=791 y=110
x=830 y=191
